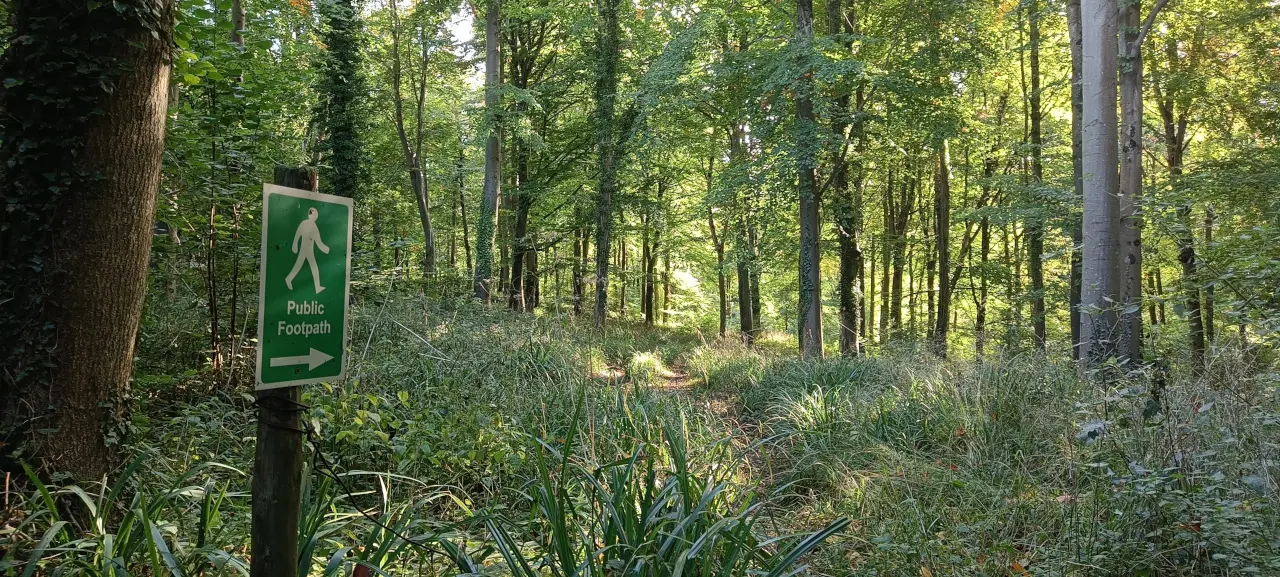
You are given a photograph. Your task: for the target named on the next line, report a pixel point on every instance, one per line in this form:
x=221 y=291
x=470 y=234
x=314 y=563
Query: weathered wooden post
x=277 y=464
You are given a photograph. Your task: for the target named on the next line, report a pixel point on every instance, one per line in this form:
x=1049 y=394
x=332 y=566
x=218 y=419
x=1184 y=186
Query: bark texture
x=1130 y=333
x=1100 y=290
x=487 y=223
x=1077 y=167
x=606 y=94
x=82 y=208
x=810 y=321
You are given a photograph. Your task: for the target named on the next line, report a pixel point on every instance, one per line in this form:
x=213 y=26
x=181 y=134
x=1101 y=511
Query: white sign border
x=275 y=189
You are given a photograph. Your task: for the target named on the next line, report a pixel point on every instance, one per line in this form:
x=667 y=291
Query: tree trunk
x=1130 y=334
x=453 y=234
x=419 y=182
x=488 y=223
x=980 y=321
x=579 y=239
x=1190 y=288
x=886 y=256
x=518 y=298
x=848 y=202
x=718 y=244
x=344 y=93
x=810 y=320
x=666 y=285
x=82 y=137
x=1035 y=224
x=1100 y=288
x=1208 y=287
x=1175 y=134
x=606 y=89
x=744 y=252
x=1152 y=317
x=1077 y=167
x=462 y=207
x=1160 y=292
x=942 y=224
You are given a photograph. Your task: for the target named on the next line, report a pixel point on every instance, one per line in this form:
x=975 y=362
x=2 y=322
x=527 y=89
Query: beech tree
x=81 y=139
x=1101 y=280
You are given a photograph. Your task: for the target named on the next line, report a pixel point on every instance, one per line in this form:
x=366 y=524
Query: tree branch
x=1146 y=26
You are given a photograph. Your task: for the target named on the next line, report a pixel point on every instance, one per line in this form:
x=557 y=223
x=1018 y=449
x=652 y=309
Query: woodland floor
x=1010 y=466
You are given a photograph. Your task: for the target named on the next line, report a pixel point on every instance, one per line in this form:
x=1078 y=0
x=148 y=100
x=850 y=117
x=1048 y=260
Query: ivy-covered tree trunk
x=342 y=96
x=80 y=146
x=608 y=53
x=487 y=224
x=810 y=321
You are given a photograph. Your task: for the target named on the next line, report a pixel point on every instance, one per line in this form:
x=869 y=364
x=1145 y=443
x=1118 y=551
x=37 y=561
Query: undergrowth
x=511 y=444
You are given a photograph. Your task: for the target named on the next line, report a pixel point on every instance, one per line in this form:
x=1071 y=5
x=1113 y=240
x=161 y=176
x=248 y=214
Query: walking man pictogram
x=304 y=243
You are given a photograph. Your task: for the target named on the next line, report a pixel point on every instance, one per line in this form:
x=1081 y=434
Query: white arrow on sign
x=312 y=360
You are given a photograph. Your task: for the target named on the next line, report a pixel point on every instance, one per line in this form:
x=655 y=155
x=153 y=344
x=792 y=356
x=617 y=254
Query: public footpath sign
x=304 y=291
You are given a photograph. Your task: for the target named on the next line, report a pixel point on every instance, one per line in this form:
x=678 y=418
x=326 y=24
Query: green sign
x=302 y=299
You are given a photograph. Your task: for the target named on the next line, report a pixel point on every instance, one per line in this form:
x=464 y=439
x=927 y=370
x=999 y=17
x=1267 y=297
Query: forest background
x=1049 y=336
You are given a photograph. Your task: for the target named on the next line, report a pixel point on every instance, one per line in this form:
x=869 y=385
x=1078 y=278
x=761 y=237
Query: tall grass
x=652 y=511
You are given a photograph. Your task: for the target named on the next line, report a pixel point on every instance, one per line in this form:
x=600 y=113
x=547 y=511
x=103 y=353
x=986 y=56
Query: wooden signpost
x=302 y=313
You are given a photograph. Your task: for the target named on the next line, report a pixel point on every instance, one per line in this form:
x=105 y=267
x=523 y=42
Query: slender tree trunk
x=82 y=137
x=744 y=251
x=1074 y=34
x=518 y=298
x=1035 y=224
x=886 y=256
x=666 y=284
x=453 y=234
x=942 y=224
x=1130 y=335
x=622 y=277
x=505 y=225
x=462 y=207
x=869 y=306
x=1190 y=288
x=1208 y=287
x=606 y=88
x=1152 y=317
x=579 y=238
x=1160 y=292
x=1101 y=281
x=1175 y=131
x=902 y=217
x=718 y=244
x=488 y=222
x=532 y=288
x=980 y=322
x=211 y=261
x=757 y=320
